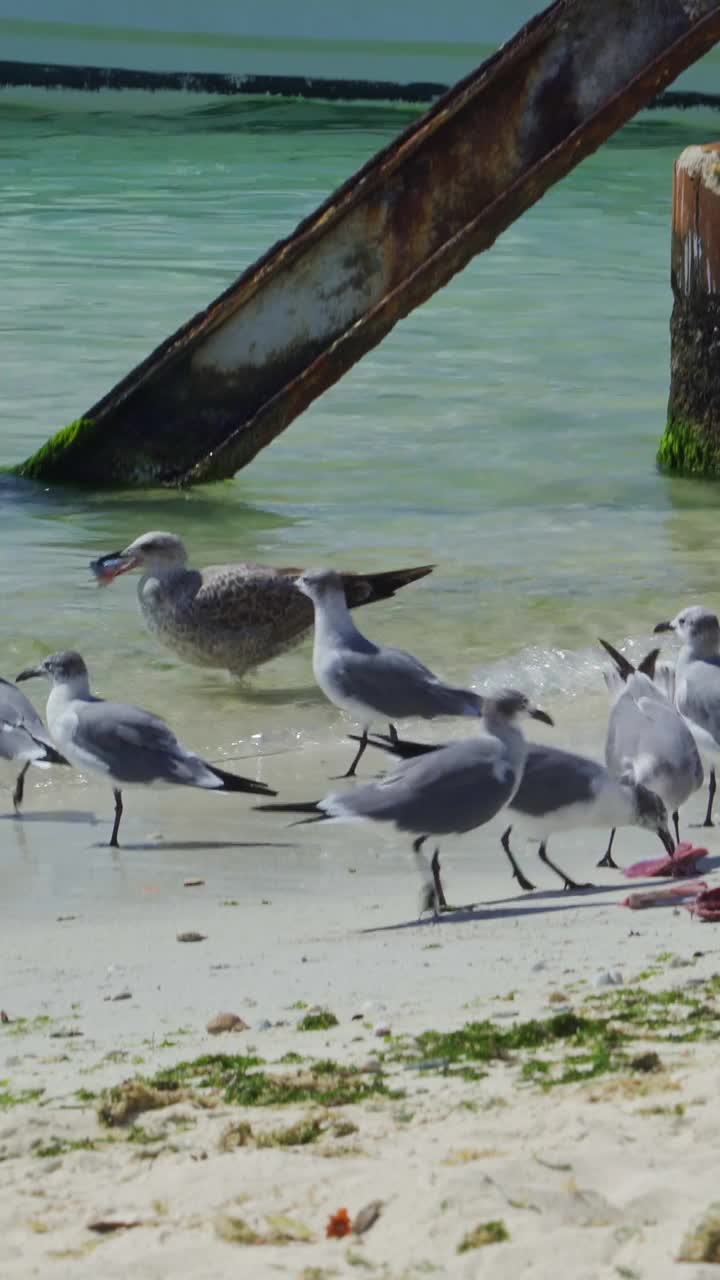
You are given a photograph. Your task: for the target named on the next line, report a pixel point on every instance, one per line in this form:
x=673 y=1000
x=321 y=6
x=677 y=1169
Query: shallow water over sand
x=506 y=431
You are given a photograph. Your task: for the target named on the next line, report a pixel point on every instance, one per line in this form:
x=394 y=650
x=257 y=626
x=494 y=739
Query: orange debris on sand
x=339 y=1225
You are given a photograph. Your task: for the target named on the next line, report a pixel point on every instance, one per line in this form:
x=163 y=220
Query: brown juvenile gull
x=127 y=746
x=371 y=680
x=236 y=616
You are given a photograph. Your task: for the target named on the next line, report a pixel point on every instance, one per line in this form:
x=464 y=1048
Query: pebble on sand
x=191 y=936
x=226 y=1022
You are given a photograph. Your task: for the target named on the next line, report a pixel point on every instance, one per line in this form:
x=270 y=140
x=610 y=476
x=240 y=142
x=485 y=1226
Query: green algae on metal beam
x=685 y=451
x=51 y=460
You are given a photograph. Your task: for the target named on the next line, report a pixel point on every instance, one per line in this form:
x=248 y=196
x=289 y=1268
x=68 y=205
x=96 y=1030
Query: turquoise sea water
x=506 y=431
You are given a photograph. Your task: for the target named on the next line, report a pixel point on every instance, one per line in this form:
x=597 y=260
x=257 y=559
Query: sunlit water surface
x=506 y=431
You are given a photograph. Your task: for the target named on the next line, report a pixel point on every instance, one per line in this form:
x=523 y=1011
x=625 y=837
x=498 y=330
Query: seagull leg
x=522 y=880
x=676 y=824
x=428 y=893
x=607 y=859
x=568 y=883
x=712 y=788
x=358 y=755
x=437 y=882
x=118 y=815
x=19 y=791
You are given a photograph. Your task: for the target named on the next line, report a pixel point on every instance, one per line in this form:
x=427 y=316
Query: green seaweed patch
x=572 y=1047
x=241 y=1080
x=300 y=1134
x=51 y=458
x=494 y=1232
x=702 y=1243
x=677 y=1016
x=318 y=1020
x=9 y=1099
x=24 y=1026
x=488 y=1041
x=685 y=450
x=64 y=1146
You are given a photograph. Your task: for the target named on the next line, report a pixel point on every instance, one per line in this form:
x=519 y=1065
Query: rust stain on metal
x=221 y=388
x=695 y=252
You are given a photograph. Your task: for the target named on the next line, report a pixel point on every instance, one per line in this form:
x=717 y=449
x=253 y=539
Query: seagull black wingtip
x=236 y=782
x=307 y=806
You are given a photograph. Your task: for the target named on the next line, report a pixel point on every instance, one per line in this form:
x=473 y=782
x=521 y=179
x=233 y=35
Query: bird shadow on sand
x=193 y=845
x=474 y=914
x=557 y=895
x=60 y=815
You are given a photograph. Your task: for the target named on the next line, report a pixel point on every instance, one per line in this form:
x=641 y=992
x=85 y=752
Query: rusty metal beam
x=226 y=384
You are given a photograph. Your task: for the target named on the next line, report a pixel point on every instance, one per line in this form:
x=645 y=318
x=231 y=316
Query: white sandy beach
x=597 y=1179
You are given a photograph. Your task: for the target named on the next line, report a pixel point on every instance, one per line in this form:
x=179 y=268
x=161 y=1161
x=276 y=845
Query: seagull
x=123 y=744
x=561 y=791
x=23 y=736
x=371 y=680
x=236 y=616
x=647 y=739
x=449 y=791
x=697 y=683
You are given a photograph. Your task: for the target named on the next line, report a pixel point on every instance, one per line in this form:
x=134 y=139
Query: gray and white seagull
x=560 y=791
x=372 y=681
x=445 y=792
x=647 y=739
x=125 y=745
x=697 y=683
x=23 y=736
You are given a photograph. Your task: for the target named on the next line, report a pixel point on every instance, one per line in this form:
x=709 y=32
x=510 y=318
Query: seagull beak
x=537 y=714
x=663 y=626
x=112 y=565
x=29 y=672
x=667 y=840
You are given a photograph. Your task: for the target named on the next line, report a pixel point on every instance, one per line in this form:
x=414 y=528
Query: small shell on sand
x=608 y=978
x=367 y=1217
x=192 y=884
x=226 y=1022
x=191 y=936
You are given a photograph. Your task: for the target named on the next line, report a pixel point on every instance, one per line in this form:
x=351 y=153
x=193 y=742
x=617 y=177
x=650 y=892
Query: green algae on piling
x=685 y=450
x=55 y=460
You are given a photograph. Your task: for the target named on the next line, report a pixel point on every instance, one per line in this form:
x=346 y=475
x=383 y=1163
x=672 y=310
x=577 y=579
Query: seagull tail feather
x=403 y=748
x=366 y=588
x=235 y=782
x=300 y=806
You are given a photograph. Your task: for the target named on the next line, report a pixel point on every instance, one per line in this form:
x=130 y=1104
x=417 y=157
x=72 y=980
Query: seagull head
x=320 y=584
x=697 y=627
x=66 y=667
x=652 y=816
x=510 y=704
x=155 y=552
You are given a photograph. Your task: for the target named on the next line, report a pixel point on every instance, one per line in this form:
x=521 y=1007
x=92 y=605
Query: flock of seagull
x=664 y=720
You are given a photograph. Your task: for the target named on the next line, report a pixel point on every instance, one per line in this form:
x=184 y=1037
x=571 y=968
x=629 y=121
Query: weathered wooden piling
x=691 y=443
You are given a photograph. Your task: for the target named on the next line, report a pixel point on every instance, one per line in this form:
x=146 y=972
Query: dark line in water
x=34 y=75
x=94 y=79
